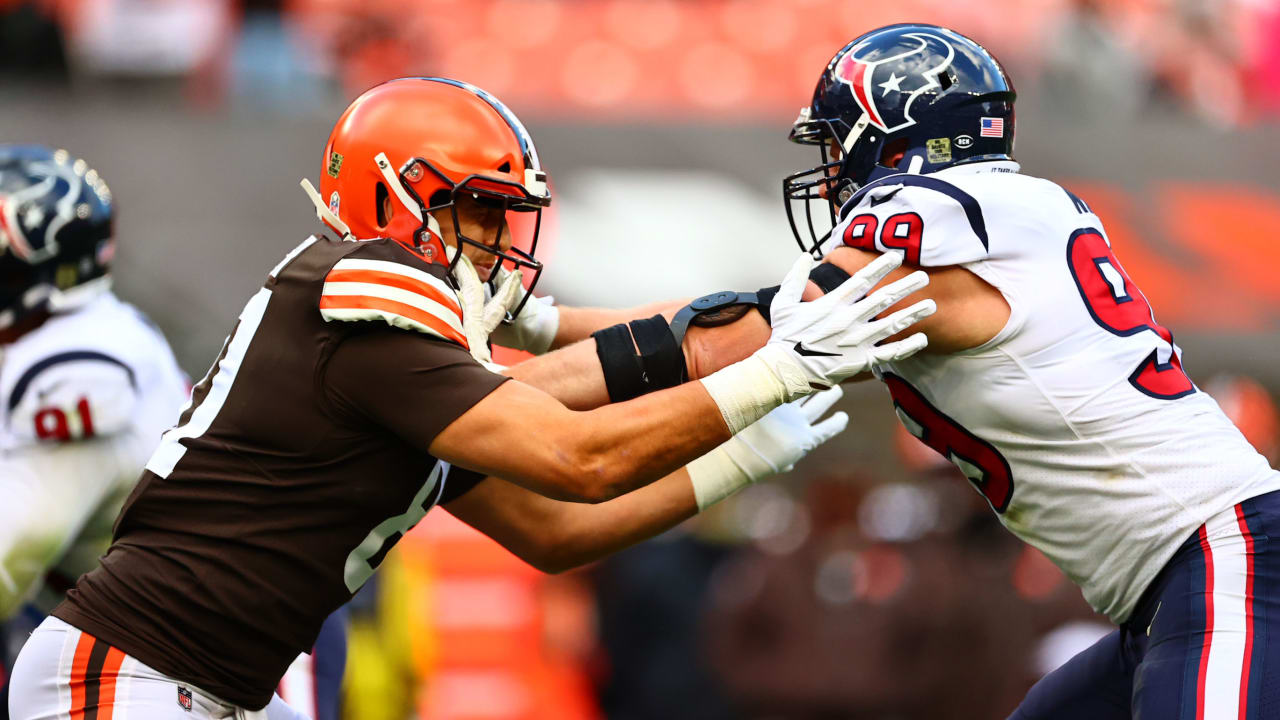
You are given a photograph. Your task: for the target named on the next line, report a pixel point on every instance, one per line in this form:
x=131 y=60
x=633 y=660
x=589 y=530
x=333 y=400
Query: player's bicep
x=519 y=433
x=436 y=397
x=970 y=311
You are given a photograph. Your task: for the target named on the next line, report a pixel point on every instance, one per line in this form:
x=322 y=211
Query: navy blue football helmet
x=55 y=232
x=904 y=98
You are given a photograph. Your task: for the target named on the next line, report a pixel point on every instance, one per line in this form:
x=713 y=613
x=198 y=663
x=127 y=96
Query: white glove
x=535 y=327
x=479 y=317
x=815 y=345
x=771 y=445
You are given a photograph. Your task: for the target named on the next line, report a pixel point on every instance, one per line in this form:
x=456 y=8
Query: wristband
x=715 y=476
x=747 y=390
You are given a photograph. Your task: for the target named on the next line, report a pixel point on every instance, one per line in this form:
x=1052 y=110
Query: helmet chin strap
x=855 y=133
x=384 y=166
x=324 y=213
x=848 y=188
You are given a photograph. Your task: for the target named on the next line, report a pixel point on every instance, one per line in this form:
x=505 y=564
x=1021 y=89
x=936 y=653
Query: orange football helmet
x=421 y=142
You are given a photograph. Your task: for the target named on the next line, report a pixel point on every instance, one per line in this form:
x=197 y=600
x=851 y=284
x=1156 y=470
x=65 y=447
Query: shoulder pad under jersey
x=932 y=221
x=385 y=283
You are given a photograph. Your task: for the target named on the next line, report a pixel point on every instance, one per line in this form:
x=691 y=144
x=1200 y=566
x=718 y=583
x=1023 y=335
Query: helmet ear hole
x=381 y=200
x=893 y=151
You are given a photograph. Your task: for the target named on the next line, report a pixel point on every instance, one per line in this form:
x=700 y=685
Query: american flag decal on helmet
x=396 y=294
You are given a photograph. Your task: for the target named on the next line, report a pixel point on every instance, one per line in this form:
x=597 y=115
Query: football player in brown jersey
x=355 y=381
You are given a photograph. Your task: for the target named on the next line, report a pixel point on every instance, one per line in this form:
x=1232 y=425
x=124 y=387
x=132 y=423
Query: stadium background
x=871 y=582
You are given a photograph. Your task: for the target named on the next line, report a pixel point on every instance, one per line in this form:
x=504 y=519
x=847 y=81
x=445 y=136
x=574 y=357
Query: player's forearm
x=592 y=532
x=577 y=323
x=618 y=448
x=628 y=445
x=556 y=536
x=519 y=434
x=573 y=374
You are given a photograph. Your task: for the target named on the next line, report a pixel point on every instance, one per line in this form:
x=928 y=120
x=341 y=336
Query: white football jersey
x=1076 y=421
x=84 y=398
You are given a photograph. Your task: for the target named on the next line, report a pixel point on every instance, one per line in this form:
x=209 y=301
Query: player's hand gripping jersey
x=275 y=498
x=85 y=398
x=1077 y=421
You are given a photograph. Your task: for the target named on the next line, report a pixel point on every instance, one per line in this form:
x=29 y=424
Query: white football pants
x=63 y=673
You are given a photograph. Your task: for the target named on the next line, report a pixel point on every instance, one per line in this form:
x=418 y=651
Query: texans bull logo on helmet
x=884 y=94
x=39 y=198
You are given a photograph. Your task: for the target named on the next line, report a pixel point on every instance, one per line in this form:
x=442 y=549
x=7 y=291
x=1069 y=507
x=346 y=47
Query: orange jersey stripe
x=396 y=281
x=107 y=692
x=79 y=668
x=365 y=302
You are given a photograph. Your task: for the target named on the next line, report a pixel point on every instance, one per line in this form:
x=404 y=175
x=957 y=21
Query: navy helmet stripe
x=972 y=210
x=25 y=380
x=517 y=128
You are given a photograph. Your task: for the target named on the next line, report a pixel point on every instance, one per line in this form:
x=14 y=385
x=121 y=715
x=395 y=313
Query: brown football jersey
x=301 y=459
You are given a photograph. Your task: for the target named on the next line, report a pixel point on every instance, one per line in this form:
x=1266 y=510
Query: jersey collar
x=978 y=168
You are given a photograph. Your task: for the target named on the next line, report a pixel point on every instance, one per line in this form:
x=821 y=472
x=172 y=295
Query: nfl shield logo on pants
x=184 y=698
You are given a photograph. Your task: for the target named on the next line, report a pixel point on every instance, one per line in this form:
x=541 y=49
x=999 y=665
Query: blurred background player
x=87 y=383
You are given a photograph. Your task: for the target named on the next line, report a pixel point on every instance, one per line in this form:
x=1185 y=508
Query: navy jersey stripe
x=20 y=388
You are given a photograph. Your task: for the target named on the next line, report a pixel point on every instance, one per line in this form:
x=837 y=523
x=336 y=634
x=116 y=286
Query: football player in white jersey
x=87 y=384
x=1047 y=379
x=1049 y=382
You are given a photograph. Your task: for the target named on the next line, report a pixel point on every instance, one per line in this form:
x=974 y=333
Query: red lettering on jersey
x=1119 y=307
x=861 y=232
x=903 y=232
x=86 y=419
x=51 y=424
x=978 y=459
x=900 y=232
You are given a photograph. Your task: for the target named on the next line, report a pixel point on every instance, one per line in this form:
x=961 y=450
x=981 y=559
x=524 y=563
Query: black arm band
x=627 y=375
x=826 y=276
x=766 y=302
x=661 y=355
x=623 y=372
